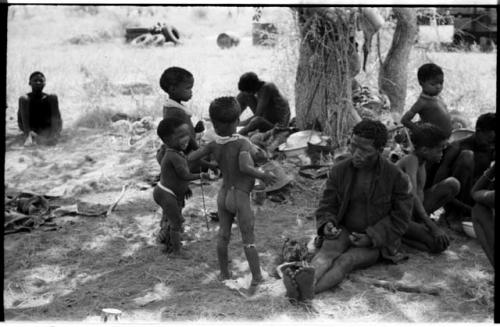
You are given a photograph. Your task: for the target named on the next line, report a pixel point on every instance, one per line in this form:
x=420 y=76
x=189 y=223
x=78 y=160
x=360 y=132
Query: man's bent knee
x=453 y=185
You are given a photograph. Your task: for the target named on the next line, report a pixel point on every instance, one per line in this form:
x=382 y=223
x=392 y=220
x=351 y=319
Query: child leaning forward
x=233 y=154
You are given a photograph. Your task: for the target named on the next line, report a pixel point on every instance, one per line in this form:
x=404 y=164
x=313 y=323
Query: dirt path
x=94 y=263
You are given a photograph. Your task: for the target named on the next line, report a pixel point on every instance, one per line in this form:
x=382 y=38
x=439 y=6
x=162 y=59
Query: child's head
x=177 y=83
x=174 y=133
x=428 y=141
x=485 y=129
x=431 y=78
x=249 y=82
x=368 y=140
x=225 y=113
x=37 y=81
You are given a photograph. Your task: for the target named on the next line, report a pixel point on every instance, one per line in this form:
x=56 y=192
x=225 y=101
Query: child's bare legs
x=353 y=258
x=171 y=210
x=246 y=221
x=225 y=223
x=329 y=251
x=484 y=226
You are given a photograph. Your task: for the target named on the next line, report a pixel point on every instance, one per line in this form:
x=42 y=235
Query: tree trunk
x=328 y=61
x=394 y=70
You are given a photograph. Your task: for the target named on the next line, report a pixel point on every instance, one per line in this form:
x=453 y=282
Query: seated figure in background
x=269 y=107
x=38 y=116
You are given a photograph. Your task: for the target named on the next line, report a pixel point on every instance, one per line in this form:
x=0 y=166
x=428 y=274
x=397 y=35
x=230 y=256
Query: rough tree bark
x=394 y=70
x=328 y=61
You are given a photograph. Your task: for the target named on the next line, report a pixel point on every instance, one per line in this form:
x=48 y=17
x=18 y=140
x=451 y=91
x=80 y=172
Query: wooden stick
x=398 y=286
x=112 y=207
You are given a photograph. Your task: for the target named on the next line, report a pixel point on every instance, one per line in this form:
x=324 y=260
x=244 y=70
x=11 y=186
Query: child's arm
x=247 y=167
x=478 y=192
x=200 y=153
x=444 y=169
x=182 y=169
x=25 y=114
x=263 y=99
x=408 y=116
x=55 y=115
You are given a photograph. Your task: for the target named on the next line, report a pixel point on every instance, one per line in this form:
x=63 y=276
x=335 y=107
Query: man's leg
x=440 y=194
x=256 y=123
x=484 y=226
x=353 y=258
x=419 y=237
x=463 y=170
x=329 y=251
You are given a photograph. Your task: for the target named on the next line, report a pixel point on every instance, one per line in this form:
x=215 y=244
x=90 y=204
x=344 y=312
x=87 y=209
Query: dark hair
x=373 y=130
x=173 y=76
x=167 y=127
x=428 y=71
x=428 y=135
x=224 y=110
x=249 y=82
x=36 y=73
x=486 y=122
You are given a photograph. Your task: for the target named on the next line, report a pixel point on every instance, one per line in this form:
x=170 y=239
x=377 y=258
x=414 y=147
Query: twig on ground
x=112 y=207
x=398 y=286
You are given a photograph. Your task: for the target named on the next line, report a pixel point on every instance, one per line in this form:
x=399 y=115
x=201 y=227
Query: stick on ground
x=398 y=286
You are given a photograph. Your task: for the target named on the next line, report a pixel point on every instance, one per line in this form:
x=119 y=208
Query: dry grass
x=92 y=263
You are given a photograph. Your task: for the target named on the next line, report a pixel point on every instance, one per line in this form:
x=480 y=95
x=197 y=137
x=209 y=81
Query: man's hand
x=330 y=230
x=269 y=178
x=204 y=177
x=441 y=237
x=360 y=240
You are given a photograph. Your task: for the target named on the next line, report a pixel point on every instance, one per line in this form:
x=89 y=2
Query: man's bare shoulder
x=410 y=161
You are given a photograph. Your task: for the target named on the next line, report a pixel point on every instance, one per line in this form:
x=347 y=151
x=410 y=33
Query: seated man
x=483 y=212
x=466 y=160
x=269 y=107
x=364 y=211
x=38 y=116
x=423 y=234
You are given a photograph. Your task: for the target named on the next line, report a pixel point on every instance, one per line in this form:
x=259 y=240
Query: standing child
x=38 y=116
x=423 y=233
x=175 y=176
x=429 y=105
x=233 y=154
x=178 y=84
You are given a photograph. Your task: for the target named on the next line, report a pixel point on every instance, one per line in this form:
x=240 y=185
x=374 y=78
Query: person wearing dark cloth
x=269 y=107
x=423 y=233
x=364 y=211
x=178 y=84
x=466 y=160
x=429 y=106
x=233 y=152
x=175 y=176
x=38 y=116
x=483 y=212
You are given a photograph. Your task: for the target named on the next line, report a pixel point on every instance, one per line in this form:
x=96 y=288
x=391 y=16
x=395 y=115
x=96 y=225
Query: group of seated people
x=369 y=205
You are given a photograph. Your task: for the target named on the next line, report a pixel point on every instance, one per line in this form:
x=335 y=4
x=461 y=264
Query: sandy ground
x=91 y=263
